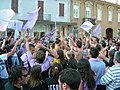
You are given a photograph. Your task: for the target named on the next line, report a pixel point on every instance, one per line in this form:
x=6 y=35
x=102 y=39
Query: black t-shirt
x=51 y=84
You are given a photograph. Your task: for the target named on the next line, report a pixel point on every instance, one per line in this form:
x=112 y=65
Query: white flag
x=97 y=30
x=87 y=25
x=33 y=16
x=5 y=16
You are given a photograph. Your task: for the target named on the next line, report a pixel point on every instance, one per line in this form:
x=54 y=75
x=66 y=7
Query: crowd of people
x=84 y=63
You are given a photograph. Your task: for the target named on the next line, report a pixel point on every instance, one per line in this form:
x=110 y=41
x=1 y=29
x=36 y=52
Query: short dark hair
x=61 y=54
x=71 y=77
x=97 y=39
x=79 y=44
x=40 y=56
x=103 y=43
x=15 y=73
x=57 y=41
x=98 y=47
x=31 y=45
x=94 y=52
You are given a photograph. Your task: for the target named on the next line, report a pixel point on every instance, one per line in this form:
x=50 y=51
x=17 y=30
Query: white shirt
x=4 y=73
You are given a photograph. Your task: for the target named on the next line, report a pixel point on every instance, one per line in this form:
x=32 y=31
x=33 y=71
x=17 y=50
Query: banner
x=97 y=30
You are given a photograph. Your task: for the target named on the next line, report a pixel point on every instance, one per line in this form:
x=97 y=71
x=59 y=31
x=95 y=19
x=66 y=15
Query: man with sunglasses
x=17 y=79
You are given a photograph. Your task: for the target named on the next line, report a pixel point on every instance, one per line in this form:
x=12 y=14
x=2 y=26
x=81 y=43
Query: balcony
x=44 y=17
x=92 y=20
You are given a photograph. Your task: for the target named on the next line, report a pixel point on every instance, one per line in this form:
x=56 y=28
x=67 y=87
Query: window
x=15 y=5
x=88 y=7
x=110 y=13
x=99 y=12
x=119 y=15
x=88 y=12
x=76 y=9
x=61 y=9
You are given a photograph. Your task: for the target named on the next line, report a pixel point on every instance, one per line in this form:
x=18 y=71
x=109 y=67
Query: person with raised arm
x=4 y=56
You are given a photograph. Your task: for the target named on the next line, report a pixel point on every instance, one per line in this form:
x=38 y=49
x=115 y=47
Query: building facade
x=97 y=11
x=53 y=14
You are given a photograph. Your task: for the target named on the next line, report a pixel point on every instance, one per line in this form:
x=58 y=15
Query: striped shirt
x=111 y=78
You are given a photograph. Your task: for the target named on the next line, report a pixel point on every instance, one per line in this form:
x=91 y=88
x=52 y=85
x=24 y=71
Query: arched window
x=76 y=9
x=110 y=13
x=99 y=12
x=119 y=15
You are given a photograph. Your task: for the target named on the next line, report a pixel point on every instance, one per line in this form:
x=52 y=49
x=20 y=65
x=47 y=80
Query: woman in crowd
x=35 y=81
x=88 y=81
x=62 y=59
x=52 y=80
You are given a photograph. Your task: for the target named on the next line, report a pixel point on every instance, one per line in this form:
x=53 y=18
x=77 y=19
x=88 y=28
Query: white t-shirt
x=4 y=73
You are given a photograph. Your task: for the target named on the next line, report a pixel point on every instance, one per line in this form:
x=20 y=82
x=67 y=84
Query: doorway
x=109 y=33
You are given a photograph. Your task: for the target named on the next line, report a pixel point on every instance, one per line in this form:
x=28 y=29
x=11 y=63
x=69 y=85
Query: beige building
x=97 y=11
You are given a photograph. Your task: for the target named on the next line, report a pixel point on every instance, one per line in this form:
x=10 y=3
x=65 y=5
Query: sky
x=113 y=1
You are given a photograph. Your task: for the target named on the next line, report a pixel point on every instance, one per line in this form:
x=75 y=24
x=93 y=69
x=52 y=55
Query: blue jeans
x=15 y=61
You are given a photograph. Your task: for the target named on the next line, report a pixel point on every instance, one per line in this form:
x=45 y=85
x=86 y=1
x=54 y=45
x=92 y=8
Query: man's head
x=69 y=79
x=95 y=40
x=18 y=75
x=39 y=55
x=79 y=44
x=103 y=43
x=117 y=57
x=57 y=44
x=94 y=52
x=32 y=48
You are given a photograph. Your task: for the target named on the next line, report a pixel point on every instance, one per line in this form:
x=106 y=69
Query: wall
x=52 y=7
x=5 y=4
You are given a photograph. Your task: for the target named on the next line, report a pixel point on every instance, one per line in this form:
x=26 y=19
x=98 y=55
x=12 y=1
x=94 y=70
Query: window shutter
x=61 y=9
x=15 y=5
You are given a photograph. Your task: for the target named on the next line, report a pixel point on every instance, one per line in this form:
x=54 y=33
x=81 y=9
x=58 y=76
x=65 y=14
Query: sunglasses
x=25 y=75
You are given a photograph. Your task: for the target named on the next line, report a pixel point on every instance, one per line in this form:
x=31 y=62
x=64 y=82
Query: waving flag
x=47 y=37
x=15 y=24
x=33 y=16
x=5 y=16
x=87 y=26
x=97 y=30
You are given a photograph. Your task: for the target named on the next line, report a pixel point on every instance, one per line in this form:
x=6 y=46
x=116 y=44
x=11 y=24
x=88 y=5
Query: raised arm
x=27 y=44
x=71 y=42
x=13 y=49
x=10 y=36
x=63 y=43
x=3 y=44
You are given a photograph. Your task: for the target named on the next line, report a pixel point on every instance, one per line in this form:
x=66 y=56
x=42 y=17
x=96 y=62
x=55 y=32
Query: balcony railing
x=46 y=17
x=92 y=20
